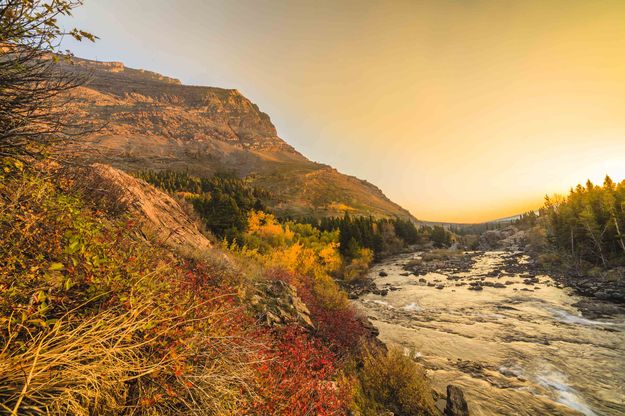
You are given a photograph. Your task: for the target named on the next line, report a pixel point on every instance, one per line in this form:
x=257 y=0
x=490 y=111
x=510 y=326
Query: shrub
x=99 y=319
x=441 y=254
x=358 y=266
x=297 y=378
x=391 y=381
x=549 y=260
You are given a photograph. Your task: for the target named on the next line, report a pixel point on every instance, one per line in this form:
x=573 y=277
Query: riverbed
x=517 y=345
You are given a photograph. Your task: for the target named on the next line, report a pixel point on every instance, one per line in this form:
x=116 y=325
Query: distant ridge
x=468 y=224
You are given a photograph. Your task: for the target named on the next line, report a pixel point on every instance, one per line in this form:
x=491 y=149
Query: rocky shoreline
x=521 y=305
x=606 y=285
x=607 y=293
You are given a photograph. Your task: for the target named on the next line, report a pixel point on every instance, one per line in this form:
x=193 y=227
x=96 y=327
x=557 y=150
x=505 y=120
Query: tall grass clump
x=392 y=381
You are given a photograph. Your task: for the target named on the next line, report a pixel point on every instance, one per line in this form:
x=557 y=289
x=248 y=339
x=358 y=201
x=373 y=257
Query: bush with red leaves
x=297 y=378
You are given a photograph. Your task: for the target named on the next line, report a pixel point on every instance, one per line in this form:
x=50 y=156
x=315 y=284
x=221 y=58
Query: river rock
x=382 y=274
x=381 y=292
x=456 y=404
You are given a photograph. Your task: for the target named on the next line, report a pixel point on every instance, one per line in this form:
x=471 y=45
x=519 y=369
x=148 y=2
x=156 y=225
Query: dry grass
x=140 y=332
x=74 y=368
x=107 y=364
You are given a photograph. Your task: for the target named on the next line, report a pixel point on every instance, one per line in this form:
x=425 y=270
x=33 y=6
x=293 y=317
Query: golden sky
x=460 y=110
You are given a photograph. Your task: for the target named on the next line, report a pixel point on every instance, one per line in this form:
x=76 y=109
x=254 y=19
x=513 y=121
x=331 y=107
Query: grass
x=77 y=368
x=391 y=381
x=95 y=319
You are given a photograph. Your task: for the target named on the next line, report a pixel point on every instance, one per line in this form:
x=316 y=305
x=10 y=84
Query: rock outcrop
x=276 y=303
x=456 y=404
x=160 y=214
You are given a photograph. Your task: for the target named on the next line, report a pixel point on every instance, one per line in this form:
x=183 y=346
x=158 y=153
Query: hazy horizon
x=458 y=111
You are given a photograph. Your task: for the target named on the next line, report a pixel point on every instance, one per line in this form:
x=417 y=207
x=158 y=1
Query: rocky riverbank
x=605 y=285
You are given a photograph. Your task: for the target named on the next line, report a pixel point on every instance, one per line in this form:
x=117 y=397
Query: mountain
x=154 y=122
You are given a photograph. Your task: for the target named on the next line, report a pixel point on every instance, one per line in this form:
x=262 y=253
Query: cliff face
x=154 y=122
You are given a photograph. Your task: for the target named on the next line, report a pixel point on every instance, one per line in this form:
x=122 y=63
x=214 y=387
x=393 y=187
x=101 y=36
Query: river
x=517 y=349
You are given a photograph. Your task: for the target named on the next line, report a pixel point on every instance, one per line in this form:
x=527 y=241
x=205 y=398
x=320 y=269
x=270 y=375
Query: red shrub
x=342 y=328
x=296 y=378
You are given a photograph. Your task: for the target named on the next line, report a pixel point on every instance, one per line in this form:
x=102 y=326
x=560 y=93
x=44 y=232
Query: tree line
x=588 y=224
x=384 y=236
x=222 y=201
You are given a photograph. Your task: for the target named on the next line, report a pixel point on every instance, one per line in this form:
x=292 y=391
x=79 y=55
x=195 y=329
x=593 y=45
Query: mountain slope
x=155 y=122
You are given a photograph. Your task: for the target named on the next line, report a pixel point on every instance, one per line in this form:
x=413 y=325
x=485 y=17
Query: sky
x=461 y=111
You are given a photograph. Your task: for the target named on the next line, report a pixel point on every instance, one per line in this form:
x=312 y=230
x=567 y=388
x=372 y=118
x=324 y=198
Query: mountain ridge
x=155 y=122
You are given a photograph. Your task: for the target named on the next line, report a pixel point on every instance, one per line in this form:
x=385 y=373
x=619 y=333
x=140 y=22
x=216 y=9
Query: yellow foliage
x=299 y=249
x=330 y=256
x=339 y=206
x=266 y=225
x=359 y=265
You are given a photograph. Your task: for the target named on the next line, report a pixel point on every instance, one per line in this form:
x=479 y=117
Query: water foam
x=413 y=307
x=383 y=303
x=566 y=395
x=569 y=318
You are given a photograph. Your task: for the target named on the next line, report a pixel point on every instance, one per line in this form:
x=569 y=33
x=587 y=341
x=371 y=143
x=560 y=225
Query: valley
x=165 y=251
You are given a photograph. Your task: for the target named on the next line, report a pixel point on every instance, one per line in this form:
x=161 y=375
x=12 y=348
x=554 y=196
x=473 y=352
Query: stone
x=440 y=405
x=277 y=303
x=456 y=404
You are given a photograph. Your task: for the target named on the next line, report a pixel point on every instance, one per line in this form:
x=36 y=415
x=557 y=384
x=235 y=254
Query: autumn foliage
x=96 y=317
x=297 y=378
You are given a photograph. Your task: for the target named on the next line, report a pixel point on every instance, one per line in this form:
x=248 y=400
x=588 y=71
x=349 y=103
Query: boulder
x=456 y=404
